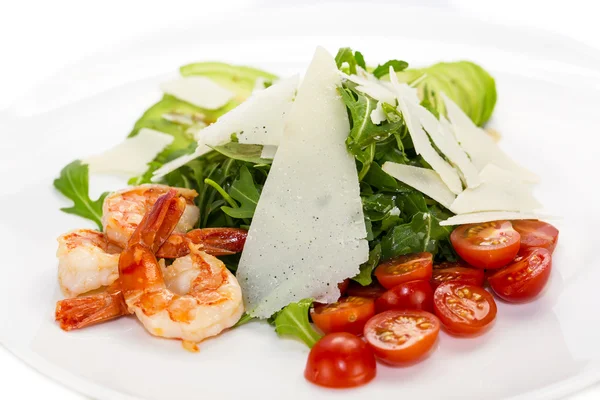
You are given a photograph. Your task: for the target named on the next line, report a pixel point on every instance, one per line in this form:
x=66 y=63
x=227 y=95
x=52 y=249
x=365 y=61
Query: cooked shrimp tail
x=214 y=241
x=79 y=312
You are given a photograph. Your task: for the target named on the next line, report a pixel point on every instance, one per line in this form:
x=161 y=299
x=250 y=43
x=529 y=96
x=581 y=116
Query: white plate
x=548 y=102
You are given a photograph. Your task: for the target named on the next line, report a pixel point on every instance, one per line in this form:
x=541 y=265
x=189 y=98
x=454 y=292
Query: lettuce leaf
x=466 y=83
x=293 y=321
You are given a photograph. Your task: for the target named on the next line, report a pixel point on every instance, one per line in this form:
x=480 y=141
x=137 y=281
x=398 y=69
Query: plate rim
x=84 y=386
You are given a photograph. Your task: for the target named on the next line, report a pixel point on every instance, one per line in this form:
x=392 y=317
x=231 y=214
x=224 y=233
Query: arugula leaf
x=243 y=152
x=365 y=276
x=243 y=320
x=364 y=134
x=384 y=69
x=293 y=321
x=246 y=193
x=411 y=237
x=377 y=206
x=345 y=55
x=73 y=183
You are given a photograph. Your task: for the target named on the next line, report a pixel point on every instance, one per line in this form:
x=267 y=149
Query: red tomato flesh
x=405 y=268
x=536 y=234
x=349 y=314
x=464 y=309
x=457 y=273
x=401 y=336
x=487 y=245
x=413 y=295
x=525 y=278
x=340 y=360
x=372 y=291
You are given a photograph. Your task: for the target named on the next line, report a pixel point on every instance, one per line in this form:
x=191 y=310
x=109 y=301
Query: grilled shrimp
x=86 y=261
x=123 y=210
x=194 y=298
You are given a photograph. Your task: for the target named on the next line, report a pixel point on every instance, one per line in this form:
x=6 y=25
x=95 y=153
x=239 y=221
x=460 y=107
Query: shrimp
x=213 y=301
x=123 y=210
x=80 y=312
x=194 y=298
x=86 y=261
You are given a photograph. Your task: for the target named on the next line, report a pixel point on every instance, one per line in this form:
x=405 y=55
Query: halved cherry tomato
x=401 y=336
x=450 y=264
x=463 y=309
x=340 y=360
x=536 y=234
x=348 y=314
x=343 y=286
x=525 y=278
x=405 y=268
x=457 y=273
x=413 y=295
x=372 y=291
x=486 y=245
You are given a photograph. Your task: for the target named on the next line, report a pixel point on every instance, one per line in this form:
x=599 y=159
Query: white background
x=38 y=38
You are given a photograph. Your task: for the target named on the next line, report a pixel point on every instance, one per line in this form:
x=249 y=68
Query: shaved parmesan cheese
x=179 y=162
x=199 y=91
x=259 y=84
x=308 y=231
x=479 y=145
x=130 y=157
x=499 y=190
x=268 y=152
x=409 y=94
x=424 y=180
x=378 y=115
x=258 y=120
x=372 y=87
x=425 y=149
x=446 y=142
x=476 y=218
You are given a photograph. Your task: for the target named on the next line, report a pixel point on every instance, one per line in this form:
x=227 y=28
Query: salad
x=360 y=210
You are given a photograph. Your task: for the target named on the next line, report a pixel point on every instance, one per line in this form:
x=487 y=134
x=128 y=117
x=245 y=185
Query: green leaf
x=365 y=276
x=293 y=321
x=376 y=206
x=73 y=183
x=244 y=320
x=246 y=193
x=405 y=238
x=345 y=56
x=243 y=152
x=384 y=69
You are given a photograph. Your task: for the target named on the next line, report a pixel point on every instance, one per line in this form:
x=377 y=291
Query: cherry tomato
x=343 y=286
x=340 y=360
x=464 y=309
x=536 y=234
x=457 y=273
x=525 y=278
x=372 y=291
x=401 y=336
x=349 y=314
x=405 y=268
x=450 y=264
x=486 y=245
x=413 y=295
